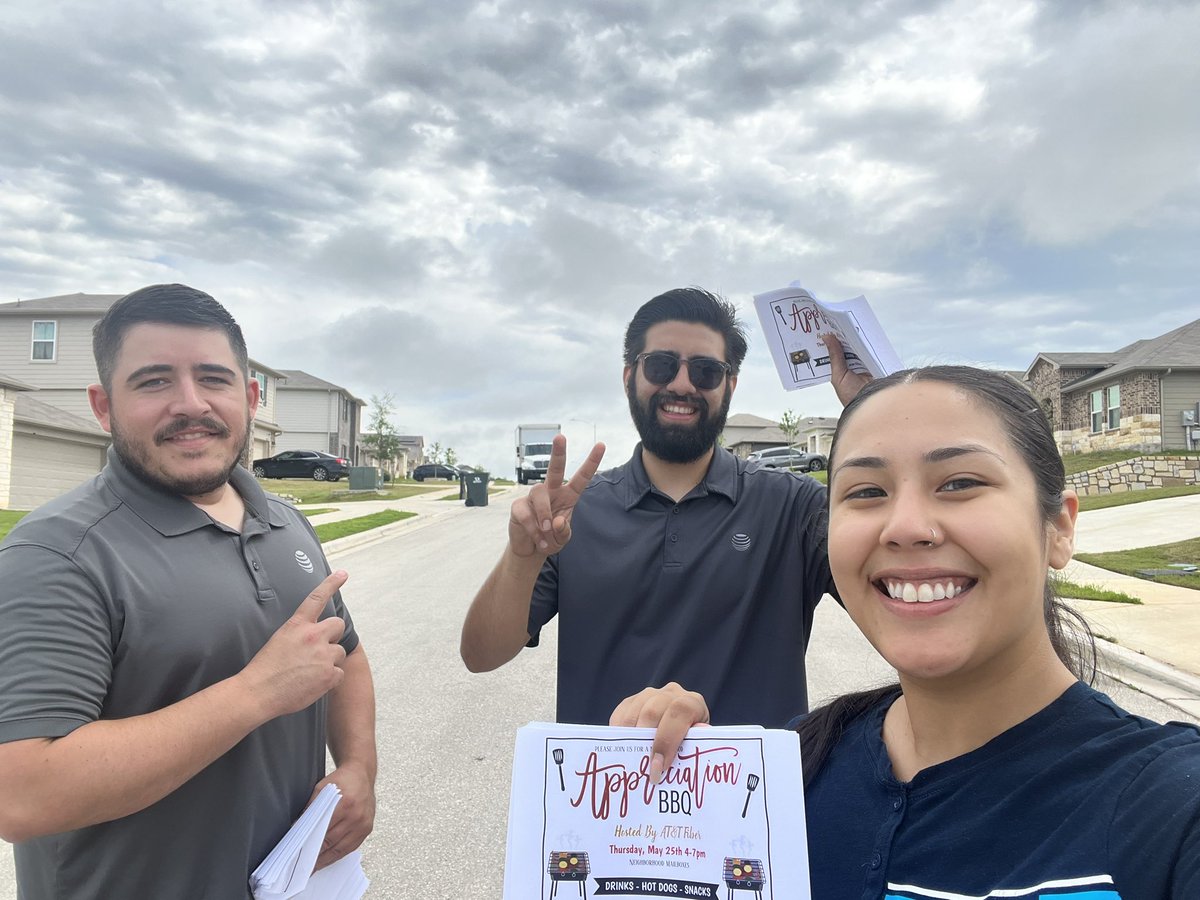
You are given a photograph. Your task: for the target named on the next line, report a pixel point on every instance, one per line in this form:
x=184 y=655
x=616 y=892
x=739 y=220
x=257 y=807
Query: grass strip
x=316 y=512
x=1128 y=562
x=1075 y=591
x=331 y=531
x=1105 y=501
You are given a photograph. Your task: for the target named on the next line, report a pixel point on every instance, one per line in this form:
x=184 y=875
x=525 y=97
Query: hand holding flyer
x=793 y=321
x=728 y=815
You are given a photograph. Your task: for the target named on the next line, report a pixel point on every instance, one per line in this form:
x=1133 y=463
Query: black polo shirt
x=119 y=599
x=716 y=592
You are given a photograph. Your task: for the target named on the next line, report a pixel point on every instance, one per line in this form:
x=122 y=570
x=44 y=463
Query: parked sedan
x=302 y=464
x=435 y=470
x=788 y=458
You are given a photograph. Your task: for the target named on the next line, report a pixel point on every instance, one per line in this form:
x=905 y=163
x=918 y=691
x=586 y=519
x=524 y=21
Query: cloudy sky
x=462 y=202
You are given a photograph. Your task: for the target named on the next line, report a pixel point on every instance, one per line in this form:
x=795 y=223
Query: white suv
x=788 y=458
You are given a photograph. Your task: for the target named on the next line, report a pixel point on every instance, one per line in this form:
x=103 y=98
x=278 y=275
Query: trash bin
x=462 y=484
x=477 y=488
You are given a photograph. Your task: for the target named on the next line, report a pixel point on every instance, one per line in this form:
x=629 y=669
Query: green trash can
x=477 y=488
x=364 y=478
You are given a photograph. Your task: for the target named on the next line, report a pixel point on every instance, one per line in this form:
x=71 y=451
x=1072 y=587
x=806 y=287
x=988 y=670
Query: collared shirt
x=1081 y=801
x=120 y=599
x=716 y=591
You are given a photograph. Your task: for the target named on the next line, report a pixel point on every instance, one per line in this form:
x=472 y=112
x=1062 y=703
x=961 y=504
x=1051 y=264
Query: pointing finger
x=313 y=605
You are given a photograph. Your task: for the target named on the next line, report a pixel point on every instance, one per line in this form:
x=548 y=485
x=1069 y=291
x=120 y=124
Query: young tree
x=434 y=453
x=451 y=457
x=789 y=424
x=381 y=439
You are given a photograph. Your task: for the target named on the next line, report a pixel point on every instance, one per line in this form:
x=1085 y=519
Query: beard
x=677 y=443
x=138 y=459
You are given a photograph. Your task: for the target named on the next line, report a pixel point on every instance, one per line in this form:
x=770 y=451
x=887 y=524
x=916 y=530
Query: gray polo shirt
x=118 y=599
x=716 y=592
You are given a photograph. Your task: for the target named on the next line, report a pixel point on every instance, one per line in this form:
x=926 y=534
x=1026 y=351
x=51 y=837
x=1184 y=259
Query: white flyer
x=793 y=321
x=585 y=819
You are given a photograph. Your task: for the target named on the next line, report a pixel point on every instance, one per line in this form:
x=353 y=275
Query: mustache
x=664 y=397
x=184 y=424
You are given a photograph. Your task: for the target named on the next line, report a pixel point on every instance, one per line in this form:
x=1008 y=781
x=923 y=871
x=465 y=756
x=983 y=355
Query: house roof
x=298 y=380
x=36 y=412
x=1178 y=349
x=747 y=420
x=68 y=304
x=16 y=384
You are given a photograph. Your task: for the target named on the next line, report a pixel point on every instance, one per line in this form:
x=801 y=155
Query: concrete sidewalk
x=1154 y=647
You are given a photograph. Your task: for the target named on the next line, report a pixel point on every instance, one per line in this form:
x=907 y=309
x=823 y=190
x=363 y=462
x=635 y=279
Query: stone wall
x=1137 y=474
x=1139 y=432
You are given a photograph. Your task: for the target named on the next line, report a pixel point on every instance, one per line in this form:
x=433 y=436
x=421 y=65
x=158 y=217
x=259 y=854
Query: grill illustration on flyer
x=586 y=820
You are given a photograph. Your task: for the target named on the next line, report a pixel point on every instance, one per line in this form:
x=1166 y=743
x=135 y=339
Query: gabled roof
x=36 y=412
x=747 y=420
x=298 y=380
x=69 y=304
x=1179 y=349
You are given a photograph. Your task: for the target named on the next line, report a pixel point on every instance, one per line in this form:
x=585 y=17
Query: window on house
x=45 y=339
x=1097 y=411
x=261 y=378
x=1114 y=406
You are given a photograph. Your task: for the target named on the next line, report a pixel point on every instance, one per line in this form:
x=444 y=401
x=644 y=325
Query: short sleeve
x=544 y=604
x=57 y=644
x=1155 y=836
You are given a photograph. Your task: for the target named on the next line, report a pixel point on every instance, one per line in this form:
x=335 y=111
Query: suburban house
x=317 y=415
x=1145 y=396
x=396 y=467
x=53 y=442
x=745 y=433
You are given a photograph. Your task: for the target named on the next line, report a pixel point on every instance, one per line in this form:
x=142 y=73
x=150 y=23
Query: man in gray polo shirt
x=176 y=655
x=681 y=565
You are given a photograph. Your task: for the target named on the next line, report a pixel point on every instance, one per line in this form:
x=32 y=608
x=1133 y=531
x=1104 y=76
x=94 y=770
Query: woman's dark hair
x=1028 y=430
x=691 y=304
x=162 y=304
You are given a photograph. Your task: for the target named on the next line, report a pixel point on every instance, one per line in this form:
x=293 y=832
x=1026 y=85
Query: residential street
x=446 y=736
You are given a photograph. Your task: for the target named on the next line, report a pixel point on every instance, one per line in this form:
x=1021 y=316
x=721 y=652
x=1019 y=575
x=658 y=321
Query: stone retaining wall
x=1137 y=474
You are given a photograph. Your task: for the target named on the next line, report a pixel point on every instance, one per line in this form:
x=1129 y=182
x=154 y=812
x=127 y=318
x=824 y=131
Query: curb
x=1165 y=683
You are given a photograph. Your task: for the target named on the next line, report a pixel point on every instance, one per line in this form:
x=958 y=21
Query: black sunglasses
x=704 y=372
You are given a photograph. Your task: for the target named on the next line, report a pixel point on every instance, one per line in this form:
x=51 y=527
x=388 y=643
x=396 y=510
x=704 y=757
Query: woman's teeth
x=923 y=592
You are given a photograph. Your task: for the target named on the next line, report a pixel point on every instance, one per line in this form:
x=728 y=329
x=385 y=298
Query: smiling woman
x=947 y=507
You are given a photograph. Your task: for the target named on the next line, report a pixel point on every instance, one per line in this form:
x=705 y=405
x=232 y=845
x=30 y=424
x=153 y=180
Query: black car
x=435 y=470
x=302 y=464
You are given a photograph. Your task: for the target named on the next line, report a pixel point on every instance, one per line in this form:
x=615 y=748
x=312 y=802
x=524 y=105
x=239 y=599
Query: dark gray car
x=789 y=458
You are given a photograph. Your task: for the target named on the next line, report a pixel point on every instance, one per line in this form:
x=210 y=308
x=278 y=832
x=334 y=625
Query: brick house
x=1137 y=398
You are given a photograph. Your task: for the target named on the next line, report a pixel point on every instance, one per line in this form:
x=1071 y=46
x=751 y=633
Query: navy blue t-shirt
x=1082 y=801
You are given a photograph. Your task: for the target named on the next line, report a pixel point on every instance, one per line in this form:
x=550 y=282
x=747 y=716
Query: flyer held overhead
x=793 y=321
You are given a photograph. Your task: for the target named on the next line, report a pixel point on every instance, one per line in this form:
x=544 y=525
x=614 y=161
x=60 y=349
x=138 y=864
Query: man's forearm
x=112 y=768
x=351 y=716
x=497 y=623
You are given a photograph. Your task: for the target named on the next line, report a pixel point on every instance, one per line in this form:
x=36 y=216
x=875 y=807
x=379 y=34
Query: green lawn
x=305 y=490
x=318 y=511
x=333 y=530
x=9 y=518
x=1127 y=562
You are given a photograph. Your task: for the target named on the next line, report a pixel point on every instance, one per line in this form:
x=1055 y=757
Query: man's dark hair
x=690 y=304
x=162 y=304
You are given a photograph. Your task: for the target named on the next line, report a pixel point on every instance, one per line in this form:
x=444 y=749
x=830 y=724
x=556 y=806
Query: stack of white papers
x=287 y=872
x=728 y=816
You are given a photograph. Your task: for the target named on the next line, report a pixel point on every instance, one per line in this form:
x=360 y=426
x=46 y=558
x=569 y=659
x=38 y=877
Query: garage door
x=43 y=468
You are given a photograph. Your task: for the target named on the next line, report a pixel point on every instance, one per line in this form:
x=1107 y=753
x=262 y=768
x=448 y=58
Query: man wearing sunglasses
x=680 y=565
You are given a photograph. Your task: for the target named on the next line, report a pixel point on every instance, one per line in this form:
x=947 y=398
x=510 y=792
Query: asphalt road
x=446 y=736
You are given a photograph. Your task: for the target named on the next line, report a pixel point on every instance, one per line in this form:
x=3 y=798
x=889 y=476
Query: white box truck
x=533 y=451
